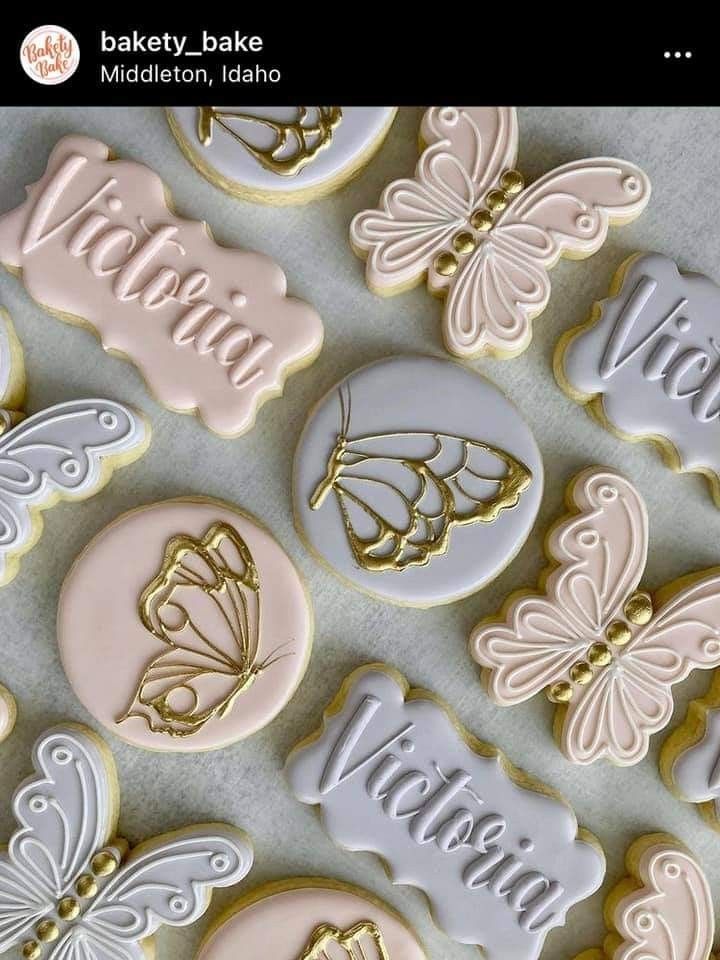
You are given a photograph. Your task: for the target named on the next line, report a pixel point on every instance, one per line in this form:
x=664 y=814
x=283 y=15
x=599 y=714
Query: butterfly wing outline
x=671 y=916
x=600 y=554
x=362 y=941
x=468 y=147
x=630 y=701
x=401 y=495
x=204 y=605
x=65 y=813
x=58 y=452
x=166 y=881
x=505 y=283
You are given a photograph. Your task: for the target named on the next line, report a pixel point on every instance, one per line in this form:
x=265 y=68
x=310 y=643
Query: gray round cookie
x=416 y=480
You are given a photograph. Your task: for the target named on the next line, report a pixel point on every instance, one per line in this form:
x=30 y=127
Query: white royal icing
x=500 y=863
x=66 y=815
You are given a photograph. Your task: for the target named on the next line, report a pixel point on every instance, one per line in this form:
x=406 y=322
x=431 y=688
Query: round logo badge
x=49 y=54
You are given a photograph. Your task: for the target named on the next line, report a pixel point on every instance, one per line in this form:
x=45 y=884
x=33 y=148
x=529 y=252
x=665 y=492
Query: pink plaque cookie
x=311 y=919
x=210 y=328
x=183 y=626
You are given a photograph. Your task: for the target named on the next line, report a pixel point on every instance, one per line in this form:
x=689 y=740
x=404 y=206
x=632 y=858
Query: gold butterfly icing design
x=401 y=494
x=363 y=941
x=295 y=142
x=204 y=605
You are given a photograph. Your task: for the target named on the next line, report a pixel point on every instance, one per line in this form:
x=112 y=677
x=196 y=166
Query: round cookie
x=183 y=626
x=311 y=919
x=280 y=154
x=416 y=480
x=8 y=713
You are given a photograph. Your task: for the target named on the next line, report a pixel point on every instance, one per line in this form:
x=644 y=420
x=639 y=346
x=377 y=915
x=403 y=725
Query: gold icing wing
x=363 y=941
x=204 y=605
x=402 y=494
x=283 y=147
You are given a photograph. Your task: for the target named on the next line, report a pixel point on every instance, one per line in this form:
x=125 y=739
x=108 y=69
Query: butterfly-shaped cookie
x=67 y=889
x=362 y=941
x=607 y=653
x=664 y=911
x=484 y=240
x=64 y=452
x=204 y=605
x=402 y=494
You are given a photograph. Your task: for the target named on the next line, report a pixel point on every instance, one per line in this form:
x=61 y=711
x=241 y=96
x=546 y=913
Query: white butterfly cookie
x=69 y=889
x=64 y=452
x=663 y=911
x=484 y=240
x=605 y=652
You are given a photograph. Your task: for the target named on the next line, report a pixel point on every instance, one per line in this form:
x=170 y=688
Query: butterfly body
x=482 y=238
x=602 y=649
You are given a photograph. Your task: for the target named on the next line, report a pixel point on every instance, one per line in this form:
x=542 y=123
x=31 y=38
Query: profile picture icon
x=49 y=54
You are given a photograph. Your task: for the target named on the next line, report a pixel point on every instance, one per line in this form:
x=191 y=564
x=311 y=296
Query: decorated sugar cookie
x=210 y=328
x=647 y=363
x=184 y=626
x=604 y=651
x=690 y=757
x=498 y=855
x=8 y=713
x=70 y=888
x=309 y=918
x=482 y=238
x=663 y=910
x=280 y=154
x=66 y=452
x=416 y=480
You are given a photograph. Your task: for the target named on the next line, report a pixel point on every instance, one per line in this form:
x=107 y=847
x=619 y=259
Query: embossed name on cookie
x=500 y=863
x=209 y=327
x=651 y=358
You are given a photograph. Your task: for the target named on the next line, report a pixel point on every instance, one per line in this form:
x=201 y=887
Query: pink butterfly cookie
x=663 y=911
x=484 y=240
x=607 y=653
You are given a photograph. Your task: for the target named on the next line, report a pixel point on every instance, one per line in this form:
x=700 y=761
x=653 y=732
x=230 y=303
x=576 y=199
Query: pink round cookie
x=183 y=626
x=311 y=919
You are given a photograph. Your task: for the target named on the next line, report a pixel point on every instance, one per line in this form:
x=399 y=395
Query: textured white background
x=244 y=783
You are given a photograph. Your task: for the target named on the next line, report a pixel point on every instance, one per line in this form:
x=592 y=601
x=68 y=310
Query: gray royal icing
x=402 y=416
x=500 y=863
x=696 y=771
x=65 y=816
x=653 y=356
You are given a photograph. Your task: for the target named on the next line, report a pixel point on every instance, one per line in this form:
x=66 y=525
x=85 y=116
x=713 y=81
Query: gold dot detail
x=512 y=181
x=496 y=200
x=599 y=655
x=581 y=672
x=68 y=908
x=446 y=264
x=618 y=633
x=481 y=220
x=86 y=886
x=560 y=692
x=639 y=608
x=103 y=864
x=47 y=931
x=31 y=950
x=464 y=243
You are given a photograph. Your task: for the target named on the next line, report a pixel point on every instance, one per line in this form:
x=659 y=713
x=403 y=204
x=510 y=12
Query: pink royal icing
x=484 y=241
x=183 y=626
x=210 y=328
x=593 y=635
x=282 y=926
